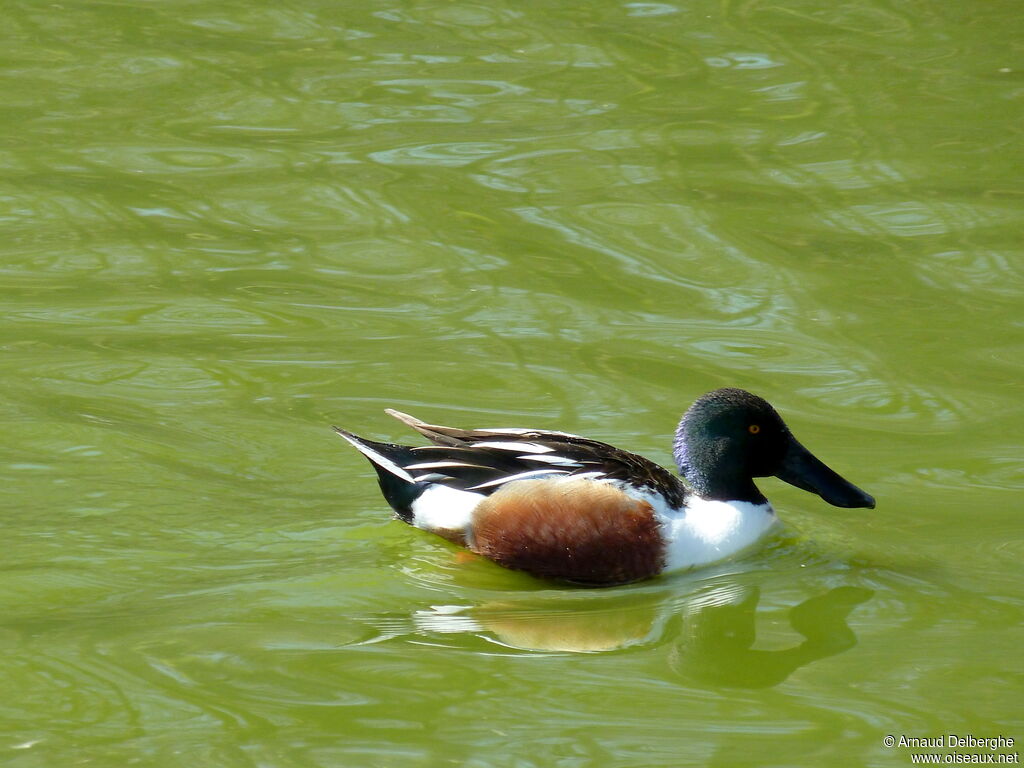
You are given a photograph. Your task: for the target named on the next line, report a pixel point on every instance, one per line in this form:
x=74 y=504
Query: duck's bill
x=802 y=469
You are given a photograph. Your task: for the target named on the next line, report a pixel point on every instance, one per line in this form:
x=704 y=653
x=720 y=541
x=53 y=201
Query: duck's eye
x=754 y=428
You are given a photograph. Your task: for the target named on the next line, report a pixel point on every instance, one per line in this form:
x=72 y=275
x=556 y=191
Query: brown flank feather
x=579 y=531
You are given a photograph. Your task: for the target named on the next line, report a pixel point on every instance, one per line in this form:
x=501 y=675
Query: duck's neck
x=723 y=488
x=713 y=473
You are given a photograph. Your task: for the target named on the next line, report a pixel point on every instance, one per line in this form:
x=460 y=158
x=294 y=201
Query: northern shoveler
x=564 y=507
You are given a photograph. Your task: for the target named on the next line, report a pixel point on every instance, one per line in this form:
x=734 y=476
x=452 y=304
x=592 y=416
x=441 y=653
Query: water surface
x=227 y=227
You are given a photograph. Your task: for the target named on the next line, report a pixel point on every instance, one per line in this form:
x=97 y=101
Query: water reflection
x=712 y=632
x=569 y=625
x=716 y=646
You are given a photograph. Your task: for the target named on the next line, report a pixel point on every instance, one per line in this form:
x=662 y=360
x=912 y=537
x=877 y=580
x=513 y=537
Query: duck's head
x=730 y=436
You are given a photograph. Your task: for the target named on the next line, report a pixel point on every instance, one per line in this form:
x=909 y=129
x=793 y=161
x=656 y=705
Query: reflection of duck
x=565 y=507
x=718 y=628
x=715 y=647
x=561 y=625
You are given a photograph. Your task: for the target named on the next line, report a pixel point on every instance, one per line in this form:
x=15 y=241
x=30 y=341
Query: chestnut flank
x=580 y=531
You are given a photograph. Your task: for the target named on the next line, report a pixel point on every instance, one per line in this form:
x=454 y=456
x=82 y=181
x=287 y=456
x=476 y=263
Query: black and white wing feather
x=483 y=460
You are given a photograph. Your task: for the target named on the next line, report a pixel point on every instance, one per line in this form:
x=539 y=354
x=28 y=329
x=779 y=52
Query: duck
x=567 y=508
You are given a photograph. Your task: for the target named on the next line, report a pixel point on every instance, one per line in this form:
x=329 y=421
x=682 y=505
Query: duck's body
x=561 y=506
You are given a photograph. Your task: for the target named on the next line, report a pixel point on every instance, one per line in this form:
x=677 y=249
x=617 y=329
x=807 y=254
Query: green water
x=228 y=225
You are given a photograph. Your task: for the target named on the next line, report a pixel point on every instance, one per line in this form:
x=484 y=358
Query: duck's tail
x=399 y=487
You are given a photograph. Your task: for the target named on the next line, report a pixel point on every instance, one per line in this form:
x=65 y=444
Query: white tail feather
x=379 y=459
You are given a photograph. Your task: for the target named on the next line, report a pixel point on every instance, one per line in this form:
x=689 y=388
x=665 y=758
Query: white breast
x=707 y=531
x=446 y=509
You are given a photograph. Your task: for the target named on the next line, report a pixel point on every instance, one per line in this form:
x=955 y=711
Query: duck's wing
x=483 y=460
x=454 y=436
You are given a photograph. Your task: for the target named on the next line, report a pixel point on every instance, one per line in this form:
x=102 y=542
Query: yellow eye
x=754 y=428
